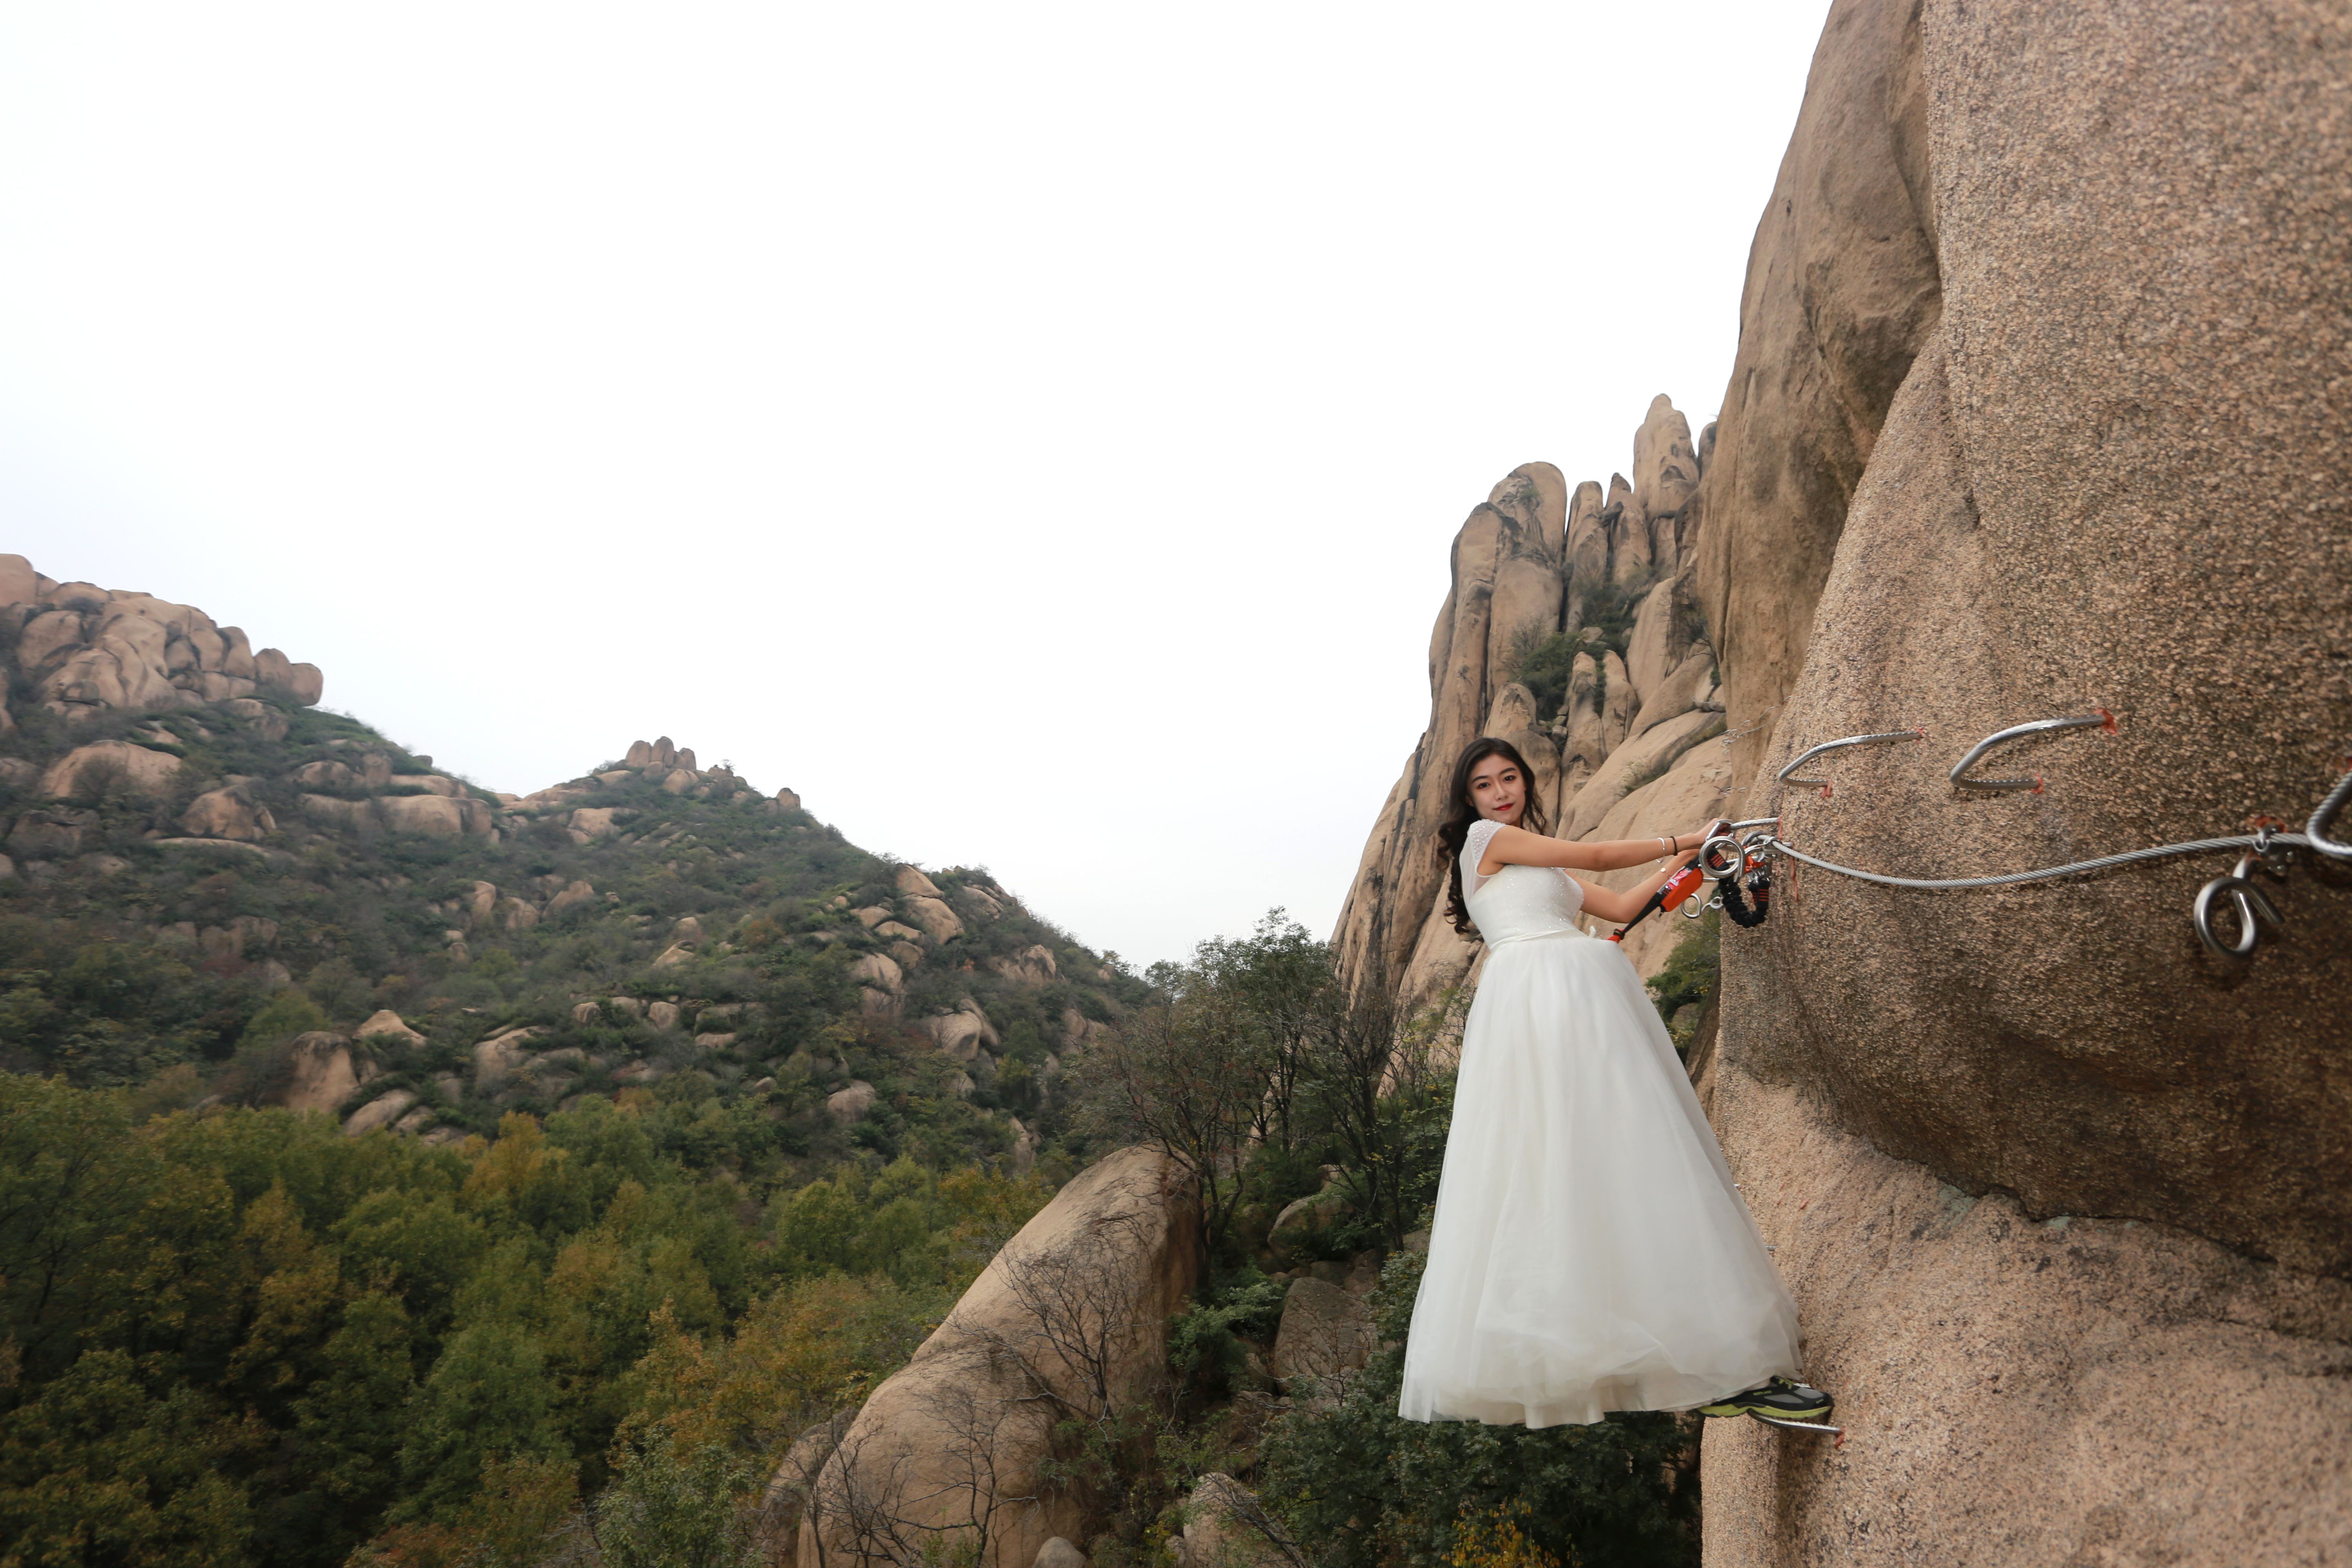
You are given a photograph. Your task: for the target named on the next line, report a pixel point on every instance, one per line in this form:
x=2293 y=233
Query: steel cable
x=2247 y=841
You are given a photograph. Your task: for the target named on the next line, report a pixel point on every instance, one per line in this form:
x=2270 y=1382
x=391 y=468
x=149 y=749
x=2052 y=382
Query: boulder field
x=2038 y=410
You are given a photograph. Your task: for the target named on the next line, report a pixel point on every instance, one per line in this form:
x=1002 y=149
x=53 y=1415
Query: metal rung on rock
x=1786 y=1425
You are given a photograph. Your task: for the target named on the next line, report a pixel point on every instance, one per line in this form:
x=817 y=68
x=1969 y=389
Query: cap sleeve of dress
x=1474 y=850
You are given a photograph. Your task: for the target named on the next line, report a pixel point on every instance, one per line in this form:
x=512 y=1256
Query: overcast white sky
x=1031 y=431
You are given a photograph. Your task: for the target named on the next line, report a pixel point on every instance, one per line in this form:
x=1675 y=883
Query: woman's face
x=1498 y=789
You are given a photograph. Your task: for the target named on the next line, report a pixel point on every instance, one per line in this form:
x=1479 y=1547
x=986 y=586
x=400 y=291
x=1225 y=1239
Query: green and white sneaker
x=1783 y=1397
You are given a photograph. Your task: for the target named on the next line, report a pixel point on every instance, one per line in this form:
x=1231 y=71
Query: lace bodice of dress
x=1517 y=900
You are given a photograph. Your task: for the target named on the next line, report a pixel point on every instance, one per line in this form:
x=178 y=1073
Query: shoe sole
x=1809 y=1414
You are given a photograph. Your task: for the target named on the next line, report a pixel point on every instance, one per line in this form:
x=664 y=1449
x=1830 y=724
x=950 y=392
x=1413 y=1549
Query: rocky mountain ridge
x=1572 y=631
x=176 y=810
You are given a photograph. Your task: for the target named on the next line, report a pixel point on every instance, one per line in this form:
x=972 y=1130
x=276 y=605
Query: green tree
x=350 y=1423
x=99 y=1472
x=487 y=1398
x=669 y=1509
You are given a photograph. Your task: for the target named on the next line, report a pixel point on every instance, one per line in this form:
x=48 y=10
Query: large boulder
x=1841 y=292
x=911 y=883
x=1582 y=750
x=940 y=923
x=324 y=1073
x=275 y=673
x=576 y=894
x=86 y=770
x=1032 y=965
x=386 y=1025
x=229 y=812
x=1225 y=1526
x=1069 y=1322
x=1530 y=579
x=1326 y=1333
x=51 y=835
x=1666 y=632
x=379 y=1113
x=1588 y=548
x=848 y=1106
x=498 y=1057
x=435 y=816
x=1513 y=550
x=2066 y=442
x=961 y=1033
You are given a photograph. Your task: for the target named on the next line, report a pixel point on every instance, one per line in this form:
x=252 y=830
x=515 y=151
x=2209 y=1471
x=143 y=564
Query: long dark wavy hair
x=1461 y=812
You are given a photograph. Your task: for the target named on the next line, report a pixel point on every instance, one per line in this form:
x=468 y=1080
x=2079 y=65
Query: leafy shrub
x=1690 y=975
x=1204 y=1341
x=1367 y=1489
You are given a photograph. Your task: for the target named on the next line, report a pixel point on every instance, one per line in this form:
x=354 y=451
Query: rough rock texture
x=2034 y=536
x=1842 y=291
x=388 y=1025
x=1326 y=1333
x=962 y=1033
x=1073 y=1310
x=1638 y=760
x=2021 y=1388
x=1993 y=466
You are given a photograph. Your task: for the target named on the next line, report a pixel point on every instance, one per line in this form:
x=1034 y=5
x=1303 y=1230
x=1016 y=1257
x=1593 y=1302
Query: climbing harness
x=1732 y=861
x=1669 y=894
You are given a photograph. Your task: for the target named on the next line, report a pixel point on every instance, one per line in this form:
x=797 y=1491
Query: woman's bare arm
x=1517 y=847
x=1616 y=908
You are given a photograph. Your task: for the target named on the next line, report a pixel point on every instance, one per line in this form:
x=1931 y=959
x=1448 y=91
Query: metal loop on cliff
x=1728 y=842
x=2315 y=832
x=1802 y=758
x=2098 y=717
x=1822 y=1428
x=2249 y=901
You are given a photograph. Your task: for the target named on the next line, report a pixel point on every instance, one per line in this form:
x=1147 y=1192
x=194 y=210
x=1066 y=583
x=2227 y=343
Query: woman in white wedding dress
x=1590 y=1252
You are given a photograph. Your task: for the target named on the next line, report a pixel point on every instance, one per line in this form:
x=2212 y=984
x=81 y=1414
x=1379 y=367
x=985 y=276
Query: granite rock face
x=2047 y=295
x=2021 y=1388
x=1987 y=469
x=1840 y=293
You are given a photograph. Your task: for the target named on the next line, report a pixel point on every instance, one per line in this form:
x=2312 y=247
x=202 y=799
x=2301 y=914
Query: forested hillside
x=383 y=1159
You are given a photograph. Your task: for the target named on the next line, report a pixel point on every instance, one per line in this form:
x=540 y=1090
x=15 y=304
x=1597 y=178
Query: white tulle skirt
x=1590 y=1252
